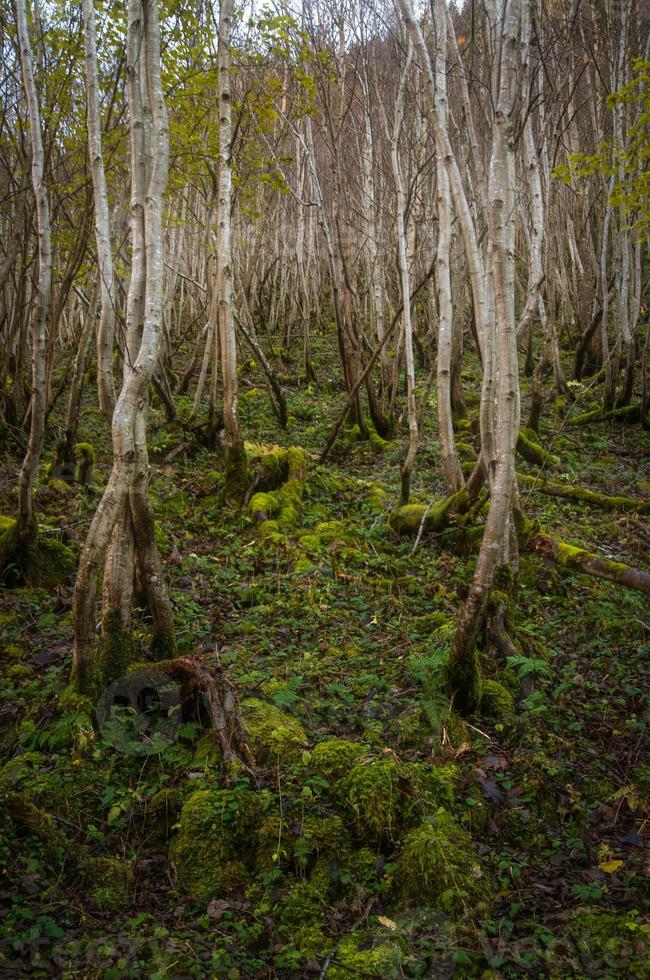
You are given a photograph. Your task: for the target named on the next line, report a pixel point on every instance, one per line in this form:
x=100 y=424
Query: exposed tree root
x=629 y=413
x=194 y=677
x=581 y=495
x=409 y=518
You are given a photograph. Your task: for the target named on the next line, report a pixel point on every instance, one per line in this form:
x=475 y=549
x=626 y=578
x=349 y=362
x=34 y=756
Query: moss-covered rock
x=361 y=955
x=111 y=880
x=32 y=559
x=274 y=734
x=335 y=757
x=438 y=865
x=387 y=795
x=216 y=832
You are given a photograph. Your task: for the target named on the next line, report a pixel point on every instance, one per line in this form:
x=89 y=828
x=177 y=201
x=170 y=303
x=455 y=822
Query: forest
x=324 y=489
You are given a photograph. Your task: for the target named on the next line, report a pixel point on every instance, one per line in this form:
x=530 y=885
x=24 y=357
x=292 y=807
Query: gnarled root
x=194 y=676
x=431 y=517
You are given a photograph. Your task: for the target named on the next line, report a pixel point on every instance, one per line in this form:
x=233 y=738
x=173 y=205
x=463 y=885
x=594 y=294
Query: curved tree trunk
x=122 y=532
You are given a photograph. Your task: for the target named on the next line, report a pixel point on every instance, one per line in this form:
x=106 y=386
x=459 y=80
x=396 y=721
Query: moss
x=116 y=651
x=605 y=938
x=408 y=519
x=438 y=865
x=360 y=955
x=386 y=795
x=112 y=881
x=529 y=449
x=85 y=457
x=283 y=502
x=496 y=700
x=215 y=832
x=629 y=413
x=302 y=905
x=466 y=451
x=236 y=476
x=411 y=728
x=312 y=942
x=273 y=733
x=303 y=566
x=320 y=837
x=310 y=542
x=30 y=558
x=335 y=757
x=207 y=752
x=583 y=496
x=32 y=820
x=57 y=485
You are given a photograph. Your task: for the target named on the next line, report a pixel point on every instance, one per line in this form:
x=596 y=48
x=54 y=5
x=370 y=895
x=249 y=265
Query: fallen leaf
x=387 y=922
x=609 y=867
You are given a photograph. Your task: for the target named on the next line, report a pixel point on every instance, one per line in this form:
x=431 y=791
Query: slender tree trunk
x=496 y=545
x=106 y=329
x=40 y=311
x=122 y=531
x=236 y=468
x=453 y=475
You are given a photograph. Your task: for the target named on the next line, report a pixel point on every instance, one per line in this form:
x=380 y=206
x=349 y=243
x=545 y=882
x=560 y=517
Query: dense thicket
x=429 y=220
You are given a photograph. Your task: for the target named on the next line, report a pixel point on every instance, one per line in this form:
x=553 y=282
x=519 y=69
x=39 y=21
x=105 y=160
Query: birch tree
x=18 y=540
x=121 y=535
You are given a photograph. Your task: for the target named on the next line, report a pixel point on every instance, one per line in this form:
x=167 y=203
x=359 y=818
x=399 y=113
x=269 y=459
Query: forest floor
x=338 y=623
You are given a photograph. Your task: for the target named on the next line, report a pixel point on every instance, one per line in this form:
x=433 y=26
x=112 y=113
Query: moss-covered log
x=530 y=450
x=578 y=559
x=629 y=413
x=282 y=476
x=573 y=558
x=408 y=519
x=582 y=495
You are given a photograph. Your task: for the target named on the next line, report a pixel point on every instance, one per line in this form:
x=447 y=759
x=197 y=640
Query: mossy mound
x=361 y=955
x=111 y=881
x=438 y=865
x=36 y=559
x=335 y=757
x=496 y=700
x=387 y=795
x=274 y=734
x=282 y=476
x=216 y=829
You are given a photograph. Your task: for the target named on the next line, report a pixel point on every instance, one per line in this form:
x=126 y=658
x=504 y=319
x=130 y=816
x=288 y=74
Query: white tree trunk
x=41 y=307
x=106 y=328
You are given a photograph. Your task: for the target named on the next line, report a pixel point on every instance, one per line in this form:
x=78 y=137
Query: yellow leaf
x=609 y=867
x=387 y=922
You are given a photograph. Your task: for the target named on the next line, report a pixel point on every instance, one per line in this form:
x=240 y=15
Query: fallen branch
x=629 y=413
x=580 y=560
x=580 y=494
